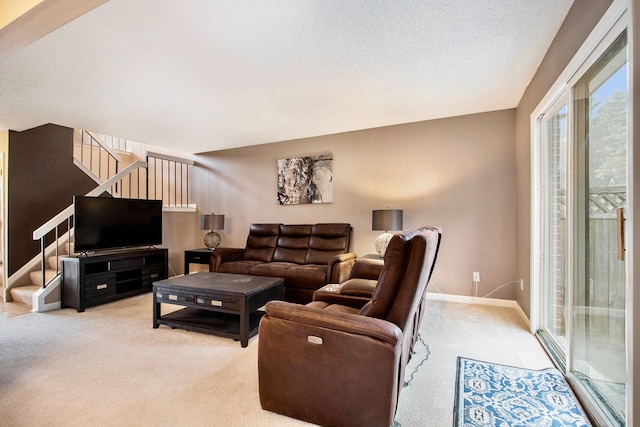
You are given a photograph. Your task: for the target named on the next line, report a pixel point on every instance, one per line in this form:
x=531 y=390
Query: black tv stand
x=93 y=279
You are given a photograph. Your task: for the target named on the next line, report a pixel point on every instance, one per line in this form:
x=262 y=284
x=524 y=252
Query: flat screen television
x=102 y=223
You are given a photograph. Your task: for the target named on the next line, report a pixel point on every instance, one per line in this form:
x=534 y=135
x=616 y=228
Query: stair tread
x=24 y=294
x=25 y=288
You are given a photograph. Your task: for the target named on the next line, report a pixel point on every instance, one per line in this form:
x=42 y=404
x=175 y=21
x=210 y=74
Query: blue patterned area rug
x=488 y=394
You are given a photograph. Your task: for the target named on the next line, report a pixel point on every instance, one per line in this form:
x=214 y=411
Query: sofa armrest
x=222 y=255
x=339 y=267
x=314 y=365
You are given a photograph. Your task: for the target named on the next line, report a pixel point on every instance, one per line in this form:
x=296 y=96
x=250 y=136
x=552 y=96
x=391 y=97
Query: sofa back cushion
x=261 y=242
x=327 y=241
x=293 y=243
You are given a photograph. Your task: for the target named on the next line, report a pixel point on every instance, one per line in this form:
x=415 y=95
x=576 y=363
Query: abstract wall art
x=307 y=179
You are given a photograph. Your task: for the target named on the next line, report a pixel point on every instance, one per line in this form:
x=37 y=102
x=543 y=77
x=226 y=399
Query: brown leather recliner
x=336 y=365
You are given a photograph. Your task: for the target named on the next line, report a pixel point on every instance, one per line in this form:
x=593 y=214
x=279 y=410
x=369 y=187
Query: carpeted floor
x=108 y=366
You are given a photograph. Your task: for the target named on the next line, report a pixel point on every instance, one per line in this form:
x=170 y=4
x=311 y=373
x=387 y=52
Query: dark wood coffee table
x=216 y=303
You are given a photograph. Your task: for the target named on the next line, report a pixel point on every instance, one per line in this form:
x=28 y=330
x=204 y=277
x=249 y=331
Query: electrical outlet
x=521 y=285
x=476 y=276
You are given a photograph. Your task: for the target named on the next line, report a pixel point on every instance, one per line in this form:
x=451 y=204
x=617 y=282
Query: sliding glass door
x=583 y=206
x=598 y=356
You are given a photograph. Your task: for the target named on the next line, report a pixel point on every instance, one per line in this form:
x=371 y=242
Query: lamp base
x=212 y=240
x=382 y=241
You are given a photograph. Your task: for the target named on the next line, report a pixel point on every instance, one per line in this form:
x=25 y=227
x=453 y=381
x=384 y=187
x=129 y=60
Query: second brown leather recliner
x=336 y=365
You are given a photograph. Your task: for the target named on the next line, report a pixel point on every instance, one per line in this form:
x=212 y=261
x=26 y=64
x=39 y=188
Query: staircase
x=101 y=163
x=24 y=294
x=98 y=161
x=116 y=173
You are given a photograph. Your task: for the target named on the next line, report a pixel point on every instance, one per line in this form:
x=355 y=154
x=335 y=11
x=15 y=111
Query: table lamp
x=212 y=222
x=385 y=219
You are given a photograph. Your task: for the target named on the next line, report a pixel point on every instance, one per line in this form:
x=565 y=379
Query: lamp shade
x=212 y=222
x=386 y=219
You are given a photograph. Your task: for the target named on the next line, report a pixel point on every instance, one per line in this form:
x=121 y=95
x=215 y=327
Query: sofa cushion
x=237 y=267
x=326 y=241
x=261 y=242
x=307 y=276
x=293 y=243
x=271 y=269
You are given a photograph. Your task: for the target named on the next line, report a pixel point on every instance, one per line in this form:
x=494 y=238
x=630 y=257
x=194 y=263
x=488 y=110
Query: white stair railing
x=63 y=219
x=94 y=156
x=168 y=179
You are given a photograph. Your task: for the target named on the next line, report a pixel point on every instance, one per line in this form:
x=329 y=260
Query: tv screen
x=108 y=223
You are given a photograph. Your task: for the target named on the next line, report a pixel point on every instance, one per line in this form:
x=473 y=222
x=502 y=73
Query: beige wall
x=575 y=29
x=456 y=173
x=178 y=229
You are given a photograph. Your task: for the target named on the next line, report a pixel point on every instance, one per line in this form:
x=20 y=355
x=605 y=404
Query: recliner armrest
x=222 y=255
x=342 y=322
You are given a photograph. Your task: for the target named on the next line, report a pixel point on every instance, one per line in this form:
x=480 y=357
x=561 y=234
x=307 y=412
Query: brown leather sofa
x=336 y=365
x=306 y=256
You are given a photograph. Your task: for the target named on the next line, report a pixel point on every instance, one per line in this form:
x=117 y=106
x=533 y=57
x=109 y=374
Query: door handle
x=620 y=232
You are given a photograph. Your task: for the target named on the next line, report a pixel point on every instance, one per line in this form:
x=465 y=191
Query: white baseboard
x=496 y=302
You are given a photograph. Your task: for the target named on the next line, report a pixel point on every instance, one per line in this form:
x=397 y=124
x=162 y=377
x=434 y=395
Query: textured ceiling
x=204 y=75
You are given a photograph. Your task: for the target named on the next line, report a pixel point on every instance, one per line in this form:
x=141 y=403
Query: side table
x=196 y=256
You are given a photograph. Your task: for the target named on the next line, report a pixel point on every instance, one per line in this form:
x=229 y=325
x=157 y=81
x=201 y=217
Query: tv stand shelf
x=94 y=279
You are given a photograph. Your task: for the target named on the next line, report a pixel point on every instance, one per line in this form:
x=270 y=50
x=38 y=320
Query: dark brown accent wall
x=575 y=29
x=41 y=182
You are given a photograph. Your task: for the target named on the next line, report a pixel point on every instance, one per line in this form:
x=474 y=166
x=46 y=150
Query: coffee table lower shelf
x=211 y=322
